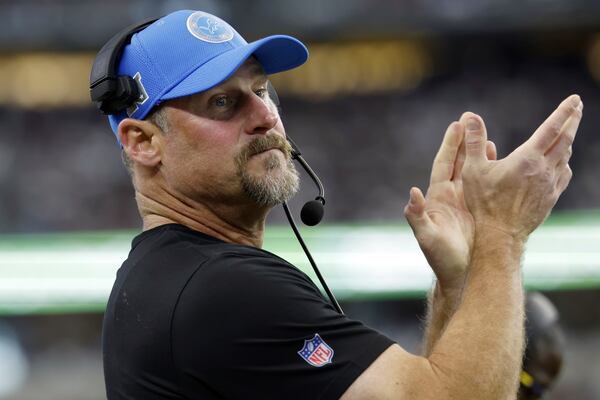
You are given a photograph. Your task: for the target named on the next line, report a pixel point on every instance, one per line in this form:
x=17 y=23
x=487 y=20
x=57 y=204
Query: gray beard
x=274 y=187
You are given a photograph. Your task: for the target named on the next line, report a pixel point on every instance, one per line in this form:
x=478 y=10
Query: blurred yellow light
x=358 y=68
x=593 y=57
x=61 y=79
x=45 y=79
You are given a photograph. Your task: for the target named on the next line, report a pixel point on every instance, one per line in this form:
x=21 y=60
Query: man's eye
x=262 y=93
x=221 y=101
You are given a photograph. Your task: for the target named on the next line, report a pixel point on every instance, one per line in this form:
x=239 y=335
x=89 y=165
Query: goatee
x=280 y=180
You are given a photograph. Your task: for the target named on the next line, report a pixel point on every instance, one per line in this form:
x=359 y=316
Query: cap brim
x=275 y=53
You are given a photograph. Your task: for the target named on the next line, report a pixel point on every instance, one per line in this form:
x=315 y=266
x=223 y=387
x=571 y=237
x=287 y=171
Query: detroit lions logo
x=209 y=28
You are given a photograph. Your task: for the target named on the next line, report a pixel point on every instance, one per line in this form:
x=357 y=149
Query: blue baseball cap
x=188 y=52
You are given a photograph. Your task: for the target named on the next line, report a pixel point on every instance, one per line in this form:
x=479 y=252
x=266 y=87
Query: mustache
x=263 y=143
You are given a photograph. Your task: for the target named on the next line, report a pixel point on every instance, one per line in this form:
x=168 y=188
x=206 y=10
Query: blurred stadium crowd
x=60 y=167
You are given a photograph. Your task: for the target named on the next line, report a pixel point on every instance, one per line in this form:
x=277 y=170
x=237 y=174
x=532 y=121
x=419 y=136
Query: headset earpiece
x=112 y=93
x=115 y=94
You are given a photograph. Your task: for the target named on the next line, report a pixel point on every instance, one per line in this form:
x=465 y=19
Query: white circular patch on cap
x=209 y=28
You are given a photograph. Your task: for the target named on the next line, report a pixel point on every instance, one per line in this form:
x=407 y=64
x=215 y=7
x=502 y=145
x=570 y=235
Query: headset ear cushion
x=124 y=94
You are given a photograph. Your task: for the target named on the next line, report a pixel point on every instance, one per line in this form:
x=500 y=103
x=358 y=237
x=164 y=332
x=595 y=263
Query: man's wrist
x=500 y=233
x=491 y=241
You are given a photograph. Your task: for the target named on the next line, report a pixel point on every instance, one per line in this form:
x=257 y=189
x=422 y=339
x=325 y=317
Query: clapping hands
x=470 y=190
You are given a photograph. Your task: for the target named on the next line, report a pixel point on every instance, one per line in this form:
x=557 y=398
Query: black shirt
x=193 y=317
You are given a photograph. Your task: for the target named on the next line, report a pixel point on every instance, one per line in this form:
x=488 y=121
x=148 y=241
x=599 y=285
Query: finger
x=559 y=159
x=490 y=150
x=460 y=161
x=443 y=164
x=475 y=140
x=543 y=138
x=460 y=158
x=564 y=179
x=563 y=144
x=465 y=117
x=415 y=210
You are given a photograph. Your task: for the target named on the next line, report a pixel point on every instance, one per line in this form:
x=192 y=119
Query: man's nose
x=262 y=115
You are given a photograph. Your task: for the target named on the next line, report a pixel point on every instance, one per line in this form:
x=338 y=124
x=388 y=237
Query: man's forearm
x=479 y=353
x=441 y=305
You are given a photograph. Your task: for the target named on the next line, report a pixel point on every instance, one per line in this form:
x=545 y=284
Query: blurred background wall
x=369 y=109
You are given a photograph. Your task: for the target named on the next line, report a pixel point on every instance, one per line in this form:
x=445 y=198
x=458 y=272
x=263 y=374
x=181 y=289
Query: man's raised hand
x=515 y=194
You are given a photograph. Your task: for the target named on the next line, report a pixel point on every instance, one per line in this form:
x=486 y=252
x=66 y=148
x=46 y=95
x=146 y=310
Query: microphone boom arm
x=332 y=298
x=298 y=157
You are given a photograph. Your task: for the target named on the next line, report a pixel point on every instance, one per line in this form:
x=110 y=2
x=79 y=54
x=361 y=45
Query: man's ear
x=141 y=140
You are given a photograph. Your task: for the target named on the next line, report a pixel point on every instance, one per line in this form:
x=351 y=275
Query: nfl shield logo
x=316 y=352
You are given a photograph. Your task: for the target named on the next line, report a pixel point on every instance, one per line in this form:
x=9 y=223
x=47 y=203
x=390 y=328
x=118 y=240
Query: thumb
x=490 y=150
x=475 y=141
x=415 y=210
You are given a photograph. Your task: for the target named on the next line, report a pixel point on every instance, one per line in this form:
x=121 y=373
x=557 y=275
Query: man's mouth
x=264 y=144
x=269 y=149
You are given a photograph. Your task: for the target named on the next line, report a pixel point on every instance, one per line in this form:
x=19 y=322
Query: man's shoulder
x=171 y=249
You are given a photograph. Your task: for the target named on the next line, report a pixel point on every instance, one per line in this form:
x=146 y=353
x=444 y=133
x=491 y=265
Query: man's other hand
x=441 y=222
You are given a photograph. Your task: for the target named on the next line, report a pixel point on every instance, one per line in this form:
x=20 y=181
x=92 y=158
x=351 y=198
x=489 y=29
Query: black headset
x=113 y=94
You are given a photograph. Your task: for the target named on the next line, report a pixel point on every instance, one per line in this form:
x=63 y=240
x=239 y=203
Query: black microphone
x=312 y=212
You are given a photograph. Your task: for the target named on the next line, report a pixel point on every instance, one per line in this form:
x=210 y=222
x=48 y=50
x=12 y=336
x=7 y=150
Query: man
x=199 y=311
